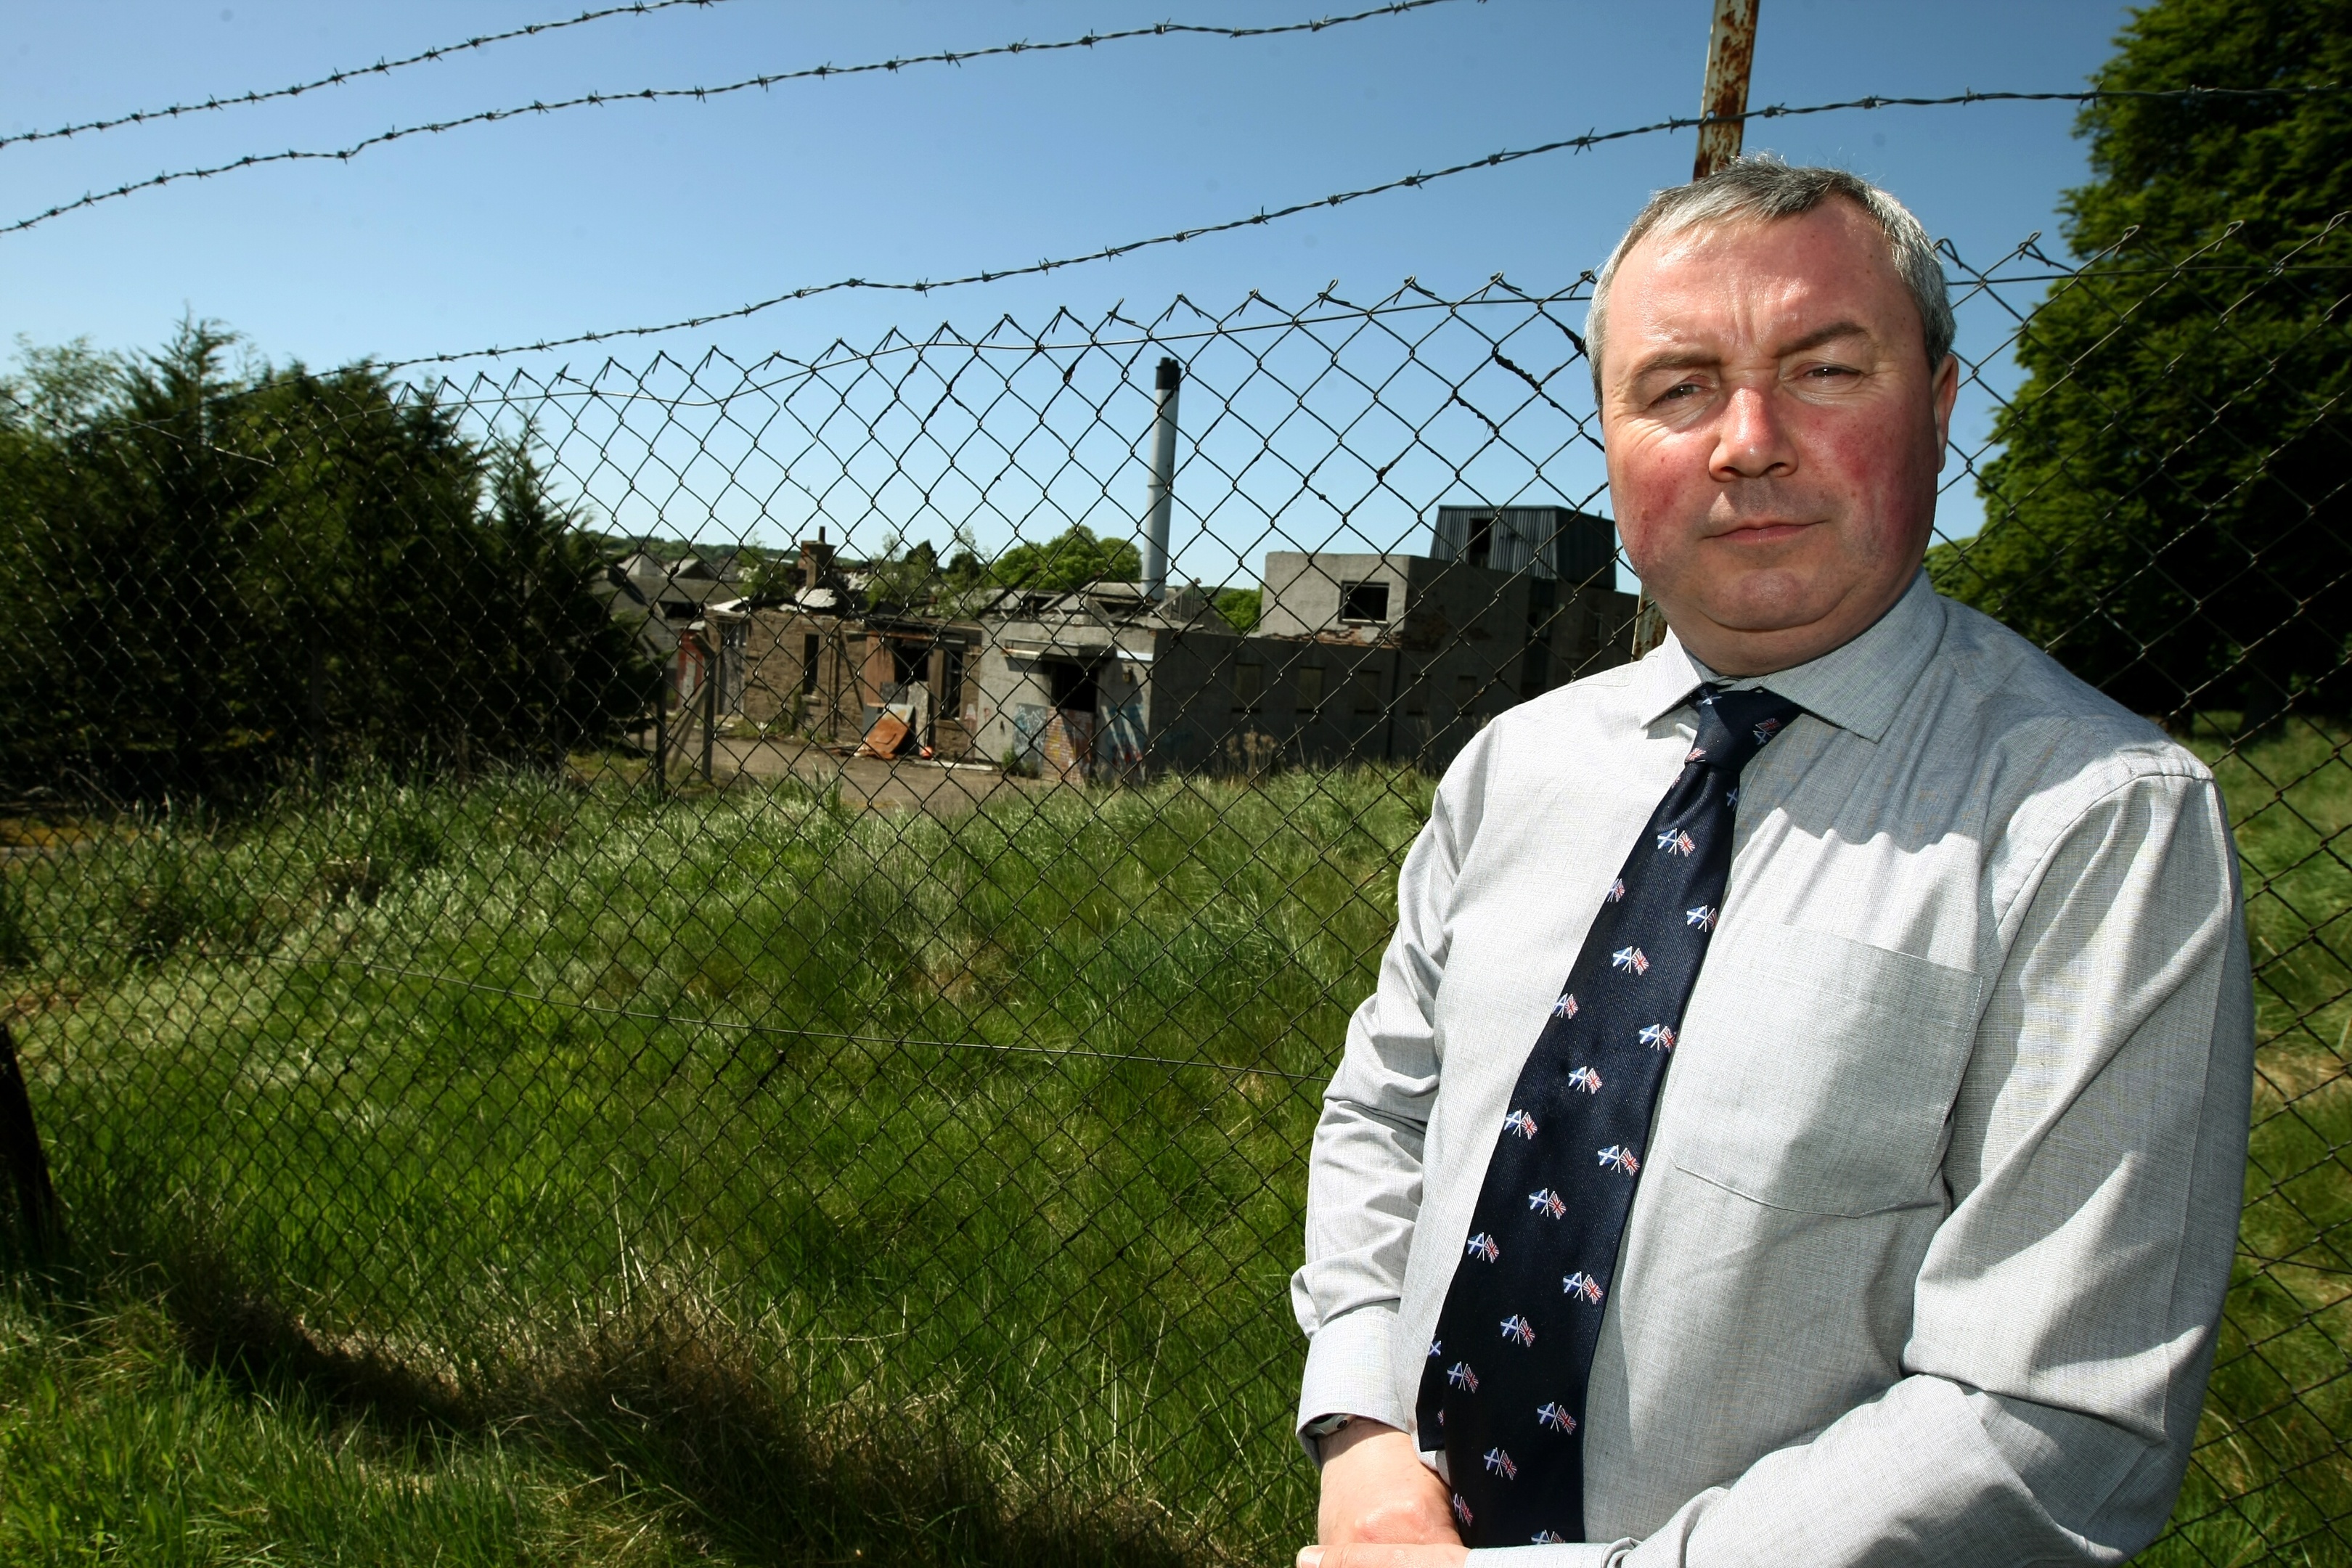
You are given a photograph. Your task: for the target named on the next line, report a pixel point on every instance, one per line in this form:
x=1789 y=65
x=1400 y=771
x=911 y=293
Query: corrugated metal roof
x=1543 y=541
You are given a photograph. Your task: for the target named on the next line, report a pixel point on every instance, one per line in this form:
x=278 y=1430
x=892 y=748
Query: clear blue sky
x=629 y=213
x=634 y=213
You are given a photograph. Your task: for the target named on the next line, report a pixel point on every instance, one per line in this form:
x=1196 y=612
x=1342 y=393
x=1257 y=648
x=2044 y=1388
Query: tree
x=1240 y=607
x=218 y=576
x=903 y=577
x=1075 y=558
x=2167 y=514
x=552 y=667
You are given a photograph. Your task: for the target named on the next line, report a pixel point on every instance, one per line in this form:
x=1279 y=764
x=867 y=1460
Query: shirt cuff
x=1350 y=1371
x=1566 y=1554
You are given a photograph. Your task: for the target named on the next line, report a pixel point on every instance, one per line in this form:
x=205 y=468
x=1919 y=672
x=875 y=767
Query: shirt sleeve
x=1364 y=1175
x=2064 y=1317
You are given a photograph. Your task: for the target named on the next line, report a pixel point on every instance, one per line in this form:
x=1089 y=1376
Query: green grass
x=546 y=1173
x=874 y=1184
x=2271 y=1480
x=115 y=1446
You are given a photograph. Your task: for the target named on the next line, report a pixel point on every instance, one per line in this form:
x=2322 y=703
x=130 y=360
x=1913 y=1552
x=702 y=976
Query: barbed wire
x=337 y=78
x=1338 y=198
x=701 y=94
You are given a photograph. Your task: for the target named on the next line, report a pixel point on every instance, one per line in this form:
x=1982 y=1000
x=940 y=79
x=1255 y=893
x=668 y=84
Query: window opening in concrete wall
x=907 y=662
x=1367 y=692
x=1364 y=600
x=1249 y=684
x=1482 y=541
x=1310 y=688
x=809 y=648
x=1073 y=684
x=1466 y=693
x=1535 y=667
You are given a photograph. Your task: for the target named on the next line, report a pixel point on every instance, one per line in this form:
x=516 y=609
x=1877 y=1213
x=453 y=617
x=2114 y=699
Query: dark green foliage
x=965 y=571
x=1072 y=560
x=219 y=577
x=551 y=667
x=905 y=577
x=1240 y=607
x=2167 y=514
x=2180 y=169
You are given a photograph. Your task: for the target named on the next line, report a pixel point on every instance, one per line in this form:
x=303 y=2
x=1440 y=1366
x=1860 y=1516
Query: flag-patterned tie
x=1503 y=1390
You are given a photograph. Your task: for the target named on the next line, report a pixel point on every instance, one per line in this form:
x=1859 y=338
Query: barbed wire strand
x=1413 y=181
x=337 y=78
x=700 y=95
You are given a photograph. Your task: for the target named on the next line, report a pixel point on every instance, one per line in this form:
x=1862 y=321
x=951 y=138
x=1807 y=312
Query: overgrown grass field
x=522 y=1174
x=595 y=1123
x=2272 y=1479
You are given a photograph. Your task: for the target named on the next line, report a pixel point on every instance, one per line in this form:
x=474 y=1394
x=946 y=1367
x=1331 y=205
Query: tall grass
x=116 y=1447
x=809 y=1185
x=2271 y=1480
x=956 y=1166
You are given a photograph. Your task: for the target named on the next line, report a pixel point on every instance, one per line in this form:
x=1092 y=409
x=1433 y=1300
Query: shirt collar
x=1856 y=686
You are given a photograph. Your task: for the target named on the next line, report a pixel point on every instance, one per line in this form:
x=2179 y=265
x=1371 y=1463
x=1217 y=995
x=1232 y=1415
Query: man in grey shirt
x=1935 y=1214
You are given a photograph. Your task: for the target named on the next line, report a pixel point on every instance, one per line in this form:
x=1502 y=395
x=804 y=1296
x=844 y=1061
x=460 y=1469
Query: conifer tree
x=2169 y=513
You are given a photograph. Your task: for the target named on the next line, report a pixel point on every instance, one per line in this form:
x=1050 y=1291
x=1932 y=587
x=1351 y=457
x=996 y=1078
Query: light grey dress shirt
x=1939 y=1202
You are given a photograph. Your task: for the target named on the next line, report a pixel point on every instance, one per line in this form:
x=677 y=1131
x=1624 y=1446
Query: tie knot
x=1733 y=726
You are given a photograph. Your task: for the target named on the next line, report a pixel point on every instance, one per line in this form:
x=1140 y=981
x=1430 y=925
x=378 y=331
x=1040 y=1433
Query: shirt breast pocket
x=1815 y=1073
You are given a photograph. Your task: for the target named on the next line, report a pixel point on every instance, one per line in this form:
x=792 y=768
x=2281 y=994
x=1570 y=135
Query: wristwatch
x=1323 y=1427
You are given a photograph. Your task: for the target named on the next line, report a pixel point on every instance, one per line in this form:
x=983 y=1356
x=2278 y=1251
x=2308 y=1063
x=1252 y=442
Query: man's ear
x=1944 y=393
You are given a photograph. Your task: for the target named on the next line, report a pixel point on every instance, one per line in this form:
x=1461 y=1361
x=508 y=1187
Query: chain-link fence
x=780 y=927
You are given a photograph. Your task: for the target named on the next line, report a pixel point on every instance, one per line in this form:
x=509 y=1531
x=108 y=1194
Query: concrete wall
x=782 y=687
x=1243 y=705
x=1458 y=645
x=1305 y=594
x=1025 y=671
x=1016 y=695
x=1468 y=644
x=853 y=671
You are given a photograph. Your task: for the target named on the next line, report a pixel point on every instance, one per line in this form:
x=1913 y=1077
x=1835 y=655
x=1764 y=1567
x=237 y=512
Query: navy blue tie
x=1503 y=1390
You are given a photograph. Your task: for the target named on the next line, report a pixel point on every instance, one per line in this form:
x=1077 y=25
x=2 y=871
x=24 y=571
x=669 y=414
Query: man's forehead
x=1792 y=277
x=1834 y=222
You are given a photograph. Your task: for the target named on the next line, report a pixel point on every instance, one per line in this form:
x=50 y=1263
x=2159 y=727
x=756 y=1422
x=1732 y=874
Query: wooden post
x=1730 y=56
x=709 y=643
x=661 y=740
x=318 y=701
x=38 y=1218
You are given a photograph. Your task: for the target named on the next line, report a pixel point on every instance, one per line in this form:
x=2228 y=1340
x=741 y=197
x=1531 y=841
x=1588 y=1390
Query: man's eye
x=1679 y=391
x=1828 y=372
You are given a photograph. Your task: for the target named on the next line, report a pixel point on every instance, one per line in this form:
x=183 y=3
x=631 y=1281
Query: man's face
x=1774 y=432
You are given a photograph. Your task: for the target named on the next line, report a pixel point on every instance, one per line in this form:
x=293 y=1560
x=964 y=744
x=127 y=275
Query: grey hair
x=1758 y=188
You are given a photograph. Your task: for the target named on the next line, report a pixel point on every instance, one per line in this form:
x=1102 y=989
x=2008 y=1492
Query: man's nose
x=1752 y=440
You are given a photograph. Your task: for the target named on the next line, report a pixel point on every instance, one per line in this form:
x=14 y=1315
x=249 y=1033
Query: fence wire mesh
x=747 y=921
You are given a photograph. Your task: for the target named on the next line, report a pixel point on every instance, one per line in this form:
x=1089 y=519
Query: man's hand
x=1382 y=1507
